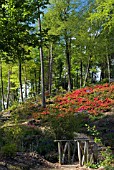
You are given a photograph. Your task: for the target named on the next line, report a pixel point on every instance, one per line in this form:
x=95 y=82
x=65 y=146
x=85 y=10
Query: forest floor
x=33 y=161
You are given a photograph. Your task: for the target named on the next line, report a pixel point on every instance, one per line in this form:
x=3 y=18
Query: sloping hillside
x=28 y=127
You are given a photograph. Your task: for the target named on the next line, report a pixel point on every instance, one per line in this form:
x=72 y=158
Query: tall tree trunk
x=25 y=83
x=35 y=81
x=108 y=64
x=20 y=81
x=87 y=71
x=68 y=61
x=42 y=64
x=102 y=76
x=39 y=80
x=8 y=93
x=50 y=67
x=81 y=76
x=2 y=87
x=77 y=79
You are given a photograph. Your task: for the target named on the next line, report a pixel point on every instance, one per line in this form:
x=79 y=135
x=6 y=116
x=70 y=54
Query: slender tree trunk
x=68 y=48
x=87 y=71
x=35 y=81
x=77 y=79
x=39 y=80
x=42 y=65
x=50 y=68
x=102 y=76
x=8 y=93
x=2 y=87
x=25 y=84
x=108 y=64
x=81 y=76
x=20 y=81
x=25 y=88
x=68 y=62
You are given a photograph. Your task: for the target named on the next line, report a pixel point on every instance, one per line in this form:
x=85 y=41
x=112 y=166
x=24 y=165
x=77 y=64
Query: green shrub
x=64 y=126
x=107 y=157
x=109 y=168
x=8 y=150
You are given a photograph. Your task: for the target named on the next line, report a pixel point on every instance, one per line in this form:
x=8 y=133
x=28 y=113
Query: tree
x=62 y=12
x=42 y=64
x=104 y=14
x=2 y=87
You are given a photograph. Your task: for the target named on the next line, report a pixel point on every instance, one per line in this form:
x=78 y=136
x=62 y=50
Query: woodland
x=56 y=77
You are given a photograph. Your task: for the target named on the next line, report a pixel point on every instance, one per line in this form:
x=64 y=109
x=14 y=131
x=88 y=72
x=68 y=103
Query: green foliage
x=107 y=157
x=109 y=168
x=93 y=132
x=64 y=126
x=104 y=13
x=46 y=142
x=12 y=132
x=8 y=150
x=10 y=137
x=14 y=106
x=92 y=165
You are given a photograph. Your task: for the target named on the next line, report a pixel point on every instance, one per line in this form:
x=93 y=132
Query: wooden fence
x=68 y=149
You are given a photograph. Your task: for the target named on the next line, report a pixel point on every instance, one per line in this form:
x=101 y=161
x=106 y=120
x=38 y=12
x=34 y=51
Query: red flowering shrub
x=95 y=100
x=70 y=112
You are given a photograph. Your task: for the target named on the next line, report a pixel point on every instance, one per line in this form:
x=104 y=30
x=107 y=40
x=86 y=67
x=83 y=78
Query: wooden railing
x=66 y=154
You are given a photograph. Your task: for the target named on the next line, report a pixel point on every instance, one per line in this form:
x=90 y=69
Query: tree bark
x=77 y=79
x=35 y=81
x=2 y=87
x=42 y=64
x=20 y=81
x=87 y=71
x=25 y=84
x=8 y=93
x=39 y=81
x=68 y=62
x=81 y=77
x=50 y=67
x=108 y=64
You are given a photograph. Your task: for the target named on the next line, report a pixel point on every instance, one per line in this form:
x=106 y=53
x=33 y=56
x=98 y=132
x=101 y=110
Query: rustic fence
x=68 y=149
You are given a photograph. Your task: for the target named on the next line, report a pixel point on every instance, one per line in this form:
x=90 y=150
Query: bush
x=107 y=157
x=64 y=126
x=8 y=150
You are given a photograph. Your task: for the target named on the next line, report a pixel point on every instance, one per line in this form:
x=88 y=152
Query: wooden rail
x=64 y=150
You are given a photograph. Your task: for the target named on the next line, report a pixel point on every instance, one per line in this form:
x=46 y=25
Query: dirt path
x=70 y=167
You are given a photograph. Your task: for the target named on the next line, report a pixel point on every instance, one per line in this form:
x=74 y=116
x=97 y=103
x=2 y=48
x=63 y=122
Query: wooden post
x=59 y=151
x=79 y=153
x=69 y=159
x=84 y=154
x=87 y=148
x=74 y=152
x=65 y=148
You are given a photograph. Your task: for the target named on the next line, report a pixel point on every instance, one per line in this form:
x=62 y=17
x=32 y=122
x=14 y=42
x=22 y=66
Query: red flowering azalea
x=94 y=100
